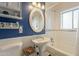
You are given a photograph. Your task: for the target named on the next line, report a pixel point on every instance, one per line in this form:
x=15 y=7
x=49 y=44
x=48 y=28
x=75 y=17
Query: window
x=69 y=19
x=75 y=18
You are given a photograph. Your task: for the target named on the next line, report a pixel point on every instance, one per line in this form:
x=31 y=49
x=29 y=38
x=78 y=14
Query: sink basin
x=40 y=41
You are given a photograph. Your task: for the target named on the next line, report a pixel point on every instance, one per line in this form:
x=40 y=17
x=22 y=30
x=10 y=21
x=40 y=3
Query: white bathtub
x=51 y=50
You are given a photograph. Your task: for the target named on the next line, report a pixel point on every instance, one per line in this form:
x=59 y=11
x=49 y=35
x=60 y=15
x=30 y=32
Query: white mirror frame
x=41 y=24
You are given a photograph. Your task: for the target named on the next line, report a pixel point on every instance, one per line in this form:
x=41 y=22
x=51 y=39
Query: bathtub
x=51 y=50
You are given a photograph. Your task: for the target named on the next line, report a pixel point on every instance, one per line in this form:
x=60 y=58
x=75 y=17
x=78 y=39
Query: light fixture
x=43 y=7
x=39 y=5
x=30 y=7
x=34 y=3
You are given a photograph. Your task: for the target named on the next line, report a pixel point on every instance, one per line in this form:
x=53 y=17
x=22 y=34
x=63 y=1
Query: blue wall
x=27 y=31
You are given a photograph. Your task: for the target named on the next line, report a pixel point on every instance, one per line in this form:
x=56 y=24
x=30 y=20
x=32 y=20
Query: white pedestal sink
x=40 y=42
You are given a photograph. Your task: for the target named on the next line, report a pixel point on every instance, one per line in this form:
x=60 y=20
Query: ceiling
x=50 y=4
x=60 y=5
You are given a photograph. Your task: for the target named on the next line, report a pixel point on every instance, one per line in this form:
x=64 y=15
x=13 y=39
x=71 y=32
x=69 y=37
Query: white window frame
x=61 y=15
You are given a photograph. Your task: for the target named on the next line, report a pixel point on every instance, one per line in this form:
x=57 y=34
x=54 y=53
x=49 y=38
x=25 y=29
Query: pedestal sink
x=40 y=42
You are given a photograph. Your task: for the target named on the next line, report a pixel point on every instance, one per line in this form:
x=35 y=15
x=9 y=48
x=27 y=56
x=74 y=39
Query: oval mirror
x=36 y=20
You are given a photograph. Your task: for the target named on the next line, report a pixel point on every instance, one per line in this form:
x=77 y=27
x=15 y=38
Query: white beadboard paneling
x=64 y=40
x=8 y=50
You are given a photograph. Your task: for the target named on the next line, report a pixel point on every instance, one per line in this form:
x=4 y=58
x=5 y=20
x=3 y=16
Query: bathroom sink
x=40 y=41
